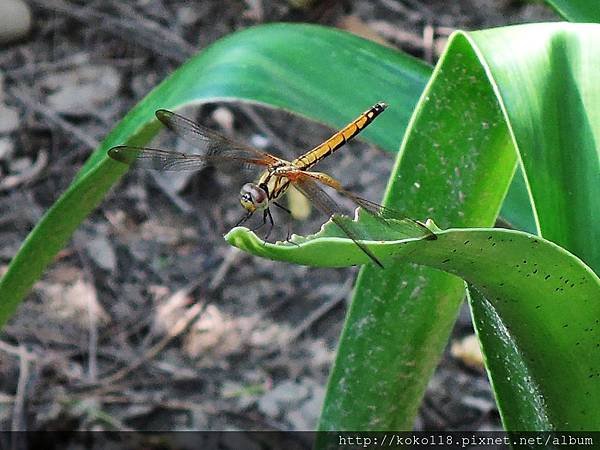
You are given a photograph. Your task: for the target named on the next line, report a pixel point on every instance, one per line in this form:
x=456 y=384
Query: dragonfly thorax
x=253 y=197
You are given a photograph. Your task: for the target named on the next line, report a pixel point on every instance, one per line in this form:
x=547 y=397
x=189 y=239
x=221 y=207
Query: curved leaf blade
x=551 y=97
x=577 y=10
x=534 y=302
x=456 y=168
x=493 y=67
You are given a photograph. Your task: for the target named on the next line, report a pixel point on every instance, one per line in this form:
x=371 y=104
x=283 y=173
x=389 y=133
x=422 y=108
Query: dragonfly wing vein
x=209 y=141
x=380 y=212
x=329 y=207
x=156 y=159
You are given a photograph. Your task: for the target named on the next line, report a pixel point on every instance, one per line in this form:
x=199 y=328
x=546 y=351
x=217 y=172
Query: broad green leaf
x=277 y=65
x=455 y=166
x=552 y=99
x=577 y=10
x=516 y=208
x=528 y=90
x=509 y=369
x=545 y=82
x=534 y=303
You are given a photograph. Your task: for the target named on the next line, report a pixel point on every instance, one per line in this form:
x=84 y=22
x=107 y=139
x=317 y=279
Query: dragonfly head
x=253 y=197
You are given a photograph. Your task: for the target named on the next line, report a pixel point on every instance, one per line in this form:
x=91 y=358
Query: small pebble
x=9 y=119
x=15 y=20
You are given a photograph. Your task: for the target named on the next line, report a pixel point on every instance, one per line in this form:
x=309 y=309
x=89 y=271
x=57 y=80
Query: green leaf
x=540 y=299
x=516 y=208
x=577 y=10
x=455 y=166
x=530 y=90
x=551 y=97
x=400 y=318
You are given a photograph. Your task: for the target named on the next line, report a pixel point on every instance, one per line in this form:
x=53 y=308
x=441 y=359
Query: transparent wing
x=330 y=208
x=383 y=213
x=215 y=150
x=156 y=159
x=209 y=142
x=380 y=212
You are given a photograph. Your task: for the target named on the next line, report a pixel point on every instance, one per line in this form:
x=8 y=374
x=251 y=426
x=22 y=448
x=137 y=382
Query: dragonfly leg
x=289 y=223
x=243 y=219
x=266 y=214
x=262 y=224
x=282 y=207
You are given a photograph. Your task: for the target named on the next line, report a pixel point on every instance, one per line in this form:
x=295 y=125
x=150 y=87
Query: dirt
x=147 y=319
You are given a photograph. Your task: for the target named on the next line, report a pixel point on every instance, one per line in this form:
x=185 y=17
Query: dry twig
x=232 y=256
x=138 y=29
x=18 y=417
x=318 y=313
x=190 y=315
x=53 y=117
x=428 y=43
x=27 y=175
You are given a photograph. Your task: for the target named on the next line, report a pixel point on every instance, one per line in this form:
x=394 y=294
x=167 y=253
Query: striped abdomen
x=325 y=149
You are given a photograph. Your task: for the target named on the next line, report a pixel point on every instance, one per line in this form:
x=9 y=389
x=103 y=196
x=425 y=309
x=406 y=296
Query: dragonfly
x=276 y=175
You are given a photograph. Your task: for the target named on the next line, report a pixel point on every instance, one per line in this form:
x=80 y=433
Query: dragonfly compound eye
x=253 y=197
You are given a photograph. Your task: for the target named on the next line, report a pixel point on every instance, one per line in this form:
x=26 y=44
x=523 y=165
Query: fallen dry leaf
x=73 y=302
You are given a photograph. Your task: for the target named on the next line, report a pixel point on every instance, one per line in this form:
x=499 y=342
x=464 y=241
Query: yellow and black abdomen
x=325 y=149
